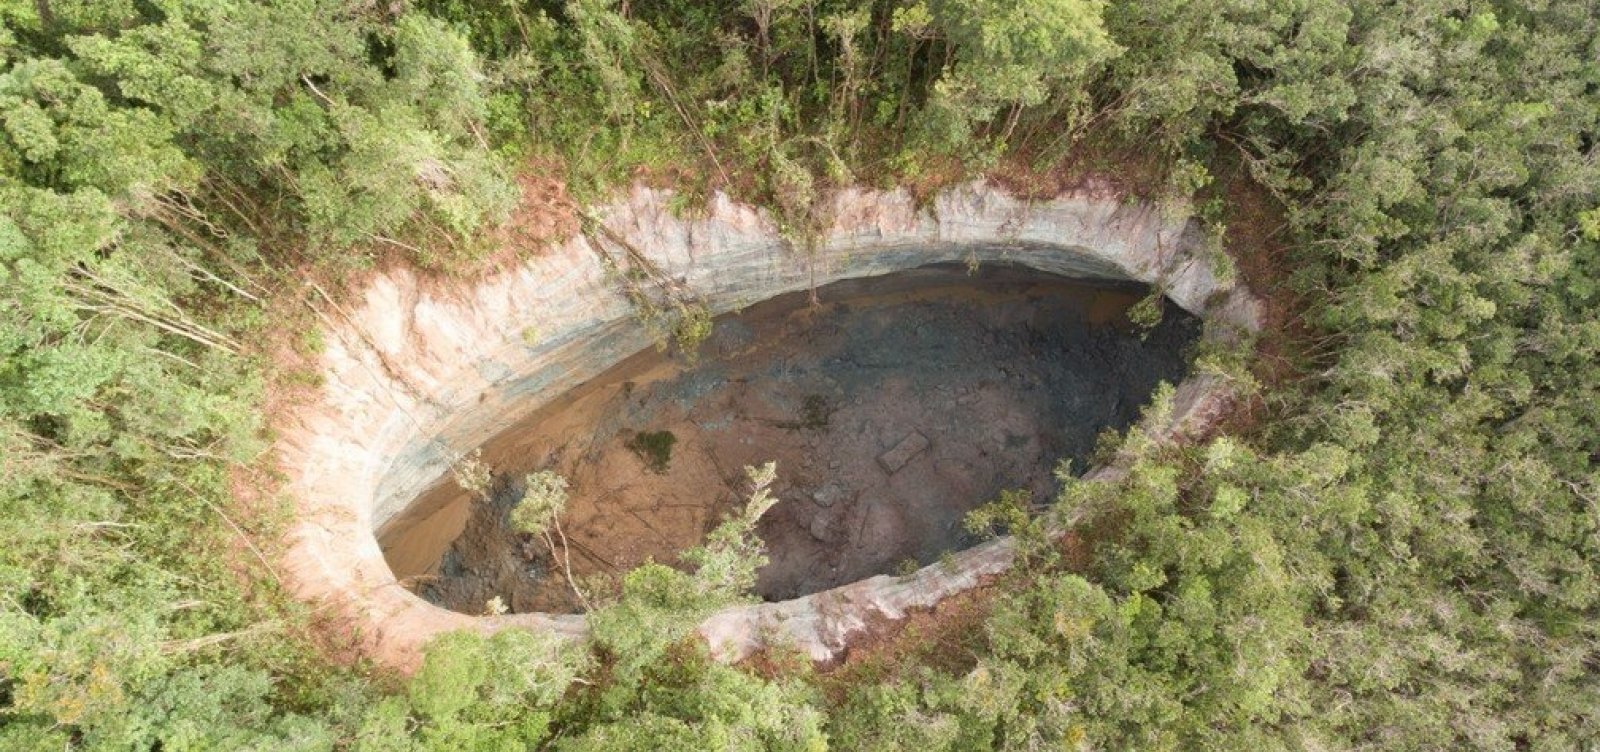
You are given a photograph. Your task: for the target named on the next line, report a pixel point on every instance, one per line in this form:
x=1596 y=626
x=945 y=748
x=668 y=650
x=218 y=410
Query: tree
x=1014 y=55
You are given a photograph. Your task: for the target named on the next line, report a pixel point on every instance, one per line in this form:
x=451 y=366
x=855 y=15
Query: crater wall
x=419 y=371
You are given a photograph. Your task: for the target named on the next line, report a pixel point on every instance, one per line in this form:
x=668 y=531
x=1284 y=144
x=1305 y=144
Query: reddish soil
x=545 y=215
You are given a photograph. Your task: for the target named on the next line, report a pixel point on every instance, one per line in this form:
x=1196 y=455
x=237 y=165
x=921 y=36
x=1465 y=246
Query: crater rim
x=418 y=366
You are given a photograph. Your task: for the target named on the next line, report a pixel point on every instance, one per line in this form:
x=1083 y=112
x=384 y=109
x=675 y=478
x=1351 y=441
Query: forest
x=1394 y=544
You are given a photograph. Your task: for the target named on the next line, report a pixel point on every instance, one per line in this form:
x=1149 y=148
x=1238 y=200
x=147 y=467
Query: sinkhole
x=912 y=390
x=892 y=405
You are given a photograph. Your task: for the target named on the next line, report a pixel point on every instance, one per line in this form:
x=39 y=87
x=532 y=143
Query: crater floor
x=892 y=408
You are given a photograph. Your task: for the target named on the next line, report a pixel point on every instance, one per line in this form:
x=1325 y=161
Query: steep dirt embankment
x=418 y=373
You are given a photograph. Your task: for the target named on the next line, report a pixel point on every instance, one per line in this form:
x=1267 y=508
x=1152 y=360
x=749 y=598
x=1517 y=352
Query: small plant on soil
x=1009 y=513
x=655 y=448
x=544 y=498
x=303 y=377
x=311 y=342
x=473 y=474
x=906 y=567
x=542 y=503
x=814 y=412
x=692 y=327
x=1146 y=314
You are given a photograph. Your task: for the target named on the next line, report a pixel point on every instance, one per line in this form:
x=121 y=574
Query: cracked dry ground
x=892 y=408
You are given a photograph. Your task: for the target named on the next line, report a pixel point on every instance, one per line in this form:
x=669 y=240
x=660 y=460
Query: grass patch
x=655 y=448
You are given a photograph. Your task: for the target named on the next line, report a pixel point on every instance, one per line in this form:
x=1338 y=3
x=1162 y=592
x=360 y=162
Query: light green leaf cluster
x=474 y=692
x=544 y=498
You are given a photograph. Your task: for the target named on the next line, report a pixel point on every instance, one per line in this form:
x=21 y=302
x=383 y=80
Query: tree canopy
x=1398 y=549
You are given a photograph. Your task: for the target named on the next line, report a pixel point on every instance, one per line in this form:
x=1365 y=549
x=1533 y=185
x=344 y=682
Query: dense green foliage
x=1403 y=554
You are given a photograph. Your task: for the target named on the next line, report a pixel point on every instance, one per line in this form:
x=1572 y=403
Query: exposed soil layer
x=892 y=407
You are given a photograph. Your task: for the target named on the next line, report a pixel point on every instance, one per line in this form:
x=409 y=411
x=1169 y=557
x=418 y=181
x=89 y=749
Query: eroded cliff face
x=419 y=372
